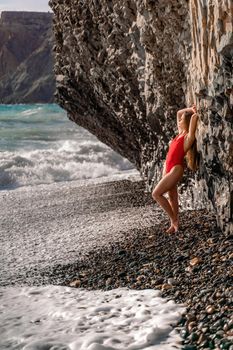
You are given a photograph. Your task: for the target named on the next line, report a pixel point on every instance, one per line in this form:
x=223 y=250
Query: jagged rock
x=210 y=79
x=26 y=60
x=123 y=68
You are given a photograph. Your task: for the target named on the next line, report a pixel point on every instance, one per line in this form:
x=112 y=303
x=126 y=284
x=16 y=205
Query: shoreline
x=193 y=266
x=190 y=269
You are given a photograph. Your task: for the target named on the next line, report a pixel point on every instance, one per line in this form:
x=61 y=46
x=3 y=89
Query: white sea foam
x=32 y=111
x=61 y=318
x=66 y=161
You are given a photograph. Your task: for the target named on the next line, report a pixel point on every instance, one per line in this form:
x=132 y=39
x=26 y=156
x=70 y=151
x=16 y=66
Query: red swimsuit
x=175 y=153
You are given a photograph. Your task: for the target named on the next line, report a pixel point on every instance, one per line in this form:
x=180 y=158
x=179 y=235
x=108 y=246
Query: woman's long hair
x=192 y=156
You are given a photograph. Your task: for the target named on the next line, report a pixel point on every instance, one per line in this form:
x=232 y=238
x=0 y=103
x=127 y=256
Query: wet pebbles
x=193 y=266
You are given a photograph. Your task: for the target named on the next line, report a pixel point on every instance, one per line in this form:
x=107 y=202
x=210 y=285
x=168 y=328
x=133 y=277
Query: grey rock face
x=124 y=68
x=26 y=59
x=210 y=82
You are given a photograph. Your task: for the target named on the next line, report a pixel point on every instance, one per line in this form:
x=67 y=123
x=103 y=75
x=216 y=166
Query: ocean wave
x=39 y=145
x=67 y=161
x=31 y=111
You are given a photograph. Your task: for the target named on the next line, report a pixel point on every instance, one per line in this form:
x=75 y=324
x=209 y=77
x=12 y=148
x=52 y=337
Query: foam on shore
x=62 y=318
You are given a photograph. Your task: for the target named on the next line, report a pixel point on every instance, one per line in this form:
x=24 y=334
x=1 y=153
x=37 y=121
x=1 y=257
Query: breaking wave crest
x=68 y=161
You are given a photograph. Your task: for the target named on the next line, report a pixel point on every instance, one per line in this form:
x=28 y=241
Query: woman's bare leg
x=168 y=182
x=173 y=200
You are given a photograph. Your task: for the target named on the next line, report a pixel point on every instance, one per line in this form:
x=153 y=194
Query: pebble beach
x=111 y=235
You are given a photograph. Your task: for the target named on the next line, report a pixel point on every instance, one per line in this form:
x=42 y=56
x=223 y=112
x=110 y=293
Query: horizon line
x=26 y=11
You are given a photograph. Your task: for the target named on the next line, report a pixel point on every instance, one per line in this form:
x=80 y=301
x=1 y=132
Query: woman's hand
x=194 y=108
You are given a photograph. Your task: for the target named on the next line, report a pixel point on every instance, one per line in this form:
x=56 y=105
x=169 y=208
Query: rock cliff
x=26 y=59
x=124 y=68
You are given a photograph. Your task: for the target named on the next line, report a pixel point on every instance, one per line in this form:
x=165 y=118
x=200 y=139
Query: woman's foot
x=170 y=229
x=174 y=227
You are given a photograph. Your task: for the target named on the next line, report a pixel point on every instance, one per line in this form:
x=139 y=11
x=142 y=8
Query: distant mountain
x=26 y=59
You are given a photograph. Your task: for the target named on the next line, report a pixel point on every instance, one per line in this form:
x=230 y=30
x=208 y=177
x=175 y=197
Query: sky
x=25 y=5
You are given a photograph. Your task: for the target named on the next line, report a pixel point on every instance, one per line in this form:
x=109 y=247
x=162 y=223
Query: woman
x=183 y=145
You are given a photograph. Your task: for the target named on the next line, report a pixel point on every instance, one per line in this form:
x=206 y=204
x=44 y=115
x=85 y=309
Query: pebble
x=210 y=309
x=195 y=261
x=166 y=286
x=191 y=325
x=108 y=281
x=201 y=338
x=172 y=281
x=75 y=283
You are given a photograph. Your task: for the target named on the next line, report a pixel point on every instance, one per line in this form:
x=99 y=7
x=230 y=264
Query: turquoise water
x=35 y=127
x=39 y=144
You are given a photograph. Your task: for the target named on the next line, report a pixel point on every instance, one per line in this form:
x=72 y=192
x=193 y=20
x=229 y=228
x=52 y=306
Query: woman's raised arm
x=192 y=109
x=192 y=129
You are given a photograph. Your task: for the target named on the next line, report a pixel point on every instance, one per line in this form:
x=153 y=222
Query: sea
x=40 y=145
x=44 y=158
